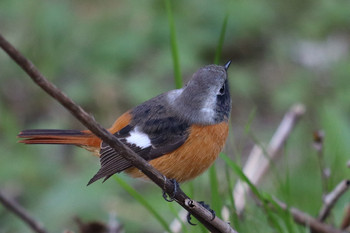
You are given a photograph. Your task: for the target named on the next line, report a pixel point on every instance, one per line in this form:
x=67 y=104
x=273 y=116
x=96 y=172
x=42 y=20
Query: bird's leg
x=170 y=197
x=206 y=206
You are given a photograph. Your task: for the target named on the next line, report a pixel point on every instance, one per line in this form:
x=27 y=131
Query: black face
x=223 y=103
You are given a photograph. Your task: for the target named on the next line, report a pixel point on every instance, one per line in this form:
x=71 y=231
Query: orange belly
x=193 y=157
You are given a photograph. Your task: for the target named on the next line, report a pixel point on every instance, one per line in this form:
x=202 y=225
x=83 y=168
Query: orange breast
x=193 y=157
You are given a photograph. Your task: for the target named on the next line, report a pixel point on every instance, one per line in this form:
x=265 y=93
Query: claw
x=168 y=197
x=189 y=219
x=206 y=206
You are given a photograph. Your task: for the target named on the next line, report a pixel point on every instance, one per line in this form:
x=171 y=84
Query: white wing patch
x=138 y=138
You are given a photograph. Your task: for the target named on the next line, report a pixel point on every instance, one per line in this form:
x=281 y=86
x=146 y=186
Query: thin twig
x=18 y=210
x=258 y=163
x=318 y=145
x=203 y=215
x=331 y=198
x=306 y=220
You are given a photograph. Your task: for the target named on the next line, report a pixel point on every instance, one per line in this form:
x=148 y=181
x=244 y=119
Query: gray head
x=206 y=98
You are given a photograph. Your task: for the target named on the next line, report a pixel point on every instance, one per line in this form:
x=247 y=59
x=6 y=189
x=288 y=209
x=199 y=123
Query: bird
x=180 y=132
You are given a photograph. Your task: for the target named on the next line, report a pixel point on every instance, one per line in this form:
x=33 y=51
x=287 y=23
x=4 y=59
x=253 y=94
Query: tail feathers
x=53 y=136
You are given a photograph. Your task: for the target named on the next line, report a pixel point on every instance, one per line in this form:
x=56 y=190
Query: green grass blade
x=234 y=217
x=216 y=202
x=142 y=201
x=241 y=175
x=173 y=44
x=221 y=40
x=251 y=117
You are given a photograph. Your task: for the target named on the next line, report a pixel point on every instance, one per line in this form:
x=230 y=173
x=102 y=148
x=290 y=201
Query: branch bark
x=203 y=215
x=331 y=198
x=18 y=210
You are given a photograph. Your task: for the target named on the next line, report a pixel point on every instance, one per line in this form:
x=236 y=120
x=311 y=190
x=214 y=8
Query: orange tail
x=52 y=136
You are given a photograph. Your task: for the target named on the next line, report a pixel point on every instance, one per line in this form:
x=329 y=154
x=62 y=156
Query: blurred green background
x=111 y=55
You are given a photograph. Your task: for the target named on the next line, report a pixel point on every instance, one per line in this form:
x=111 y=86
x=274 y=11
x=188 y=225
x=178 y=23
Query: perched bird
x=180 y=132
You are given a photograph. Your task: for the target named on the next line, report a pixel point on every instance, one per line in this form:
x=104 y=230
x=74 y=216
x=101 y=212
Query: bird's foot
x=206 y=206
x=170 y=197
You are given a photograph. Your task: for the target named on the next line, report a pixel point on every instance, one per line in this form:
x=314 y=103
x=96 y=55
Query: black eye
x=222 y=90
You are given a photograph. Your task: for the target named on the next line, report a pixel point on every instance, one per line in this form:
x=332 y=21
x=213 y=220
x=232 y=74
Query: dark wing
x=165 y=134
x=111 y=161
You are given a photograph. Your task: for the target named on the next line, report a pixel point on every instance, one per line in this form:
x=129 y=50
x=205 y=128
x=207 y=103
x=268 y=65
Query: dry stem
x=331 y=198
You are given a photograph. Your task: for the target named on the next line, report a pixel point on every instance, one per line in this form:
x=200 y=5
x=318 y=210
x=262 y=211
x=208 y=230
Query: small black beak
x=227 y=65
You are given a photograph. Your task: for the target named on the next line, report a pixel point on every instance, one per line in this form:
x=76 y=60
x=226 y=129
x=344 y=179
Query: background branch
x=203 y=215
x=18 y=210
x=306 y=220
x=331 y=198
x=258 y=163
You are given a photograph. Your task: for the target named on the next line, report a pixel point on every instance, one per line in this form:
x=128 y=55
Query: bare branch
x=18 y=210
x=258 y=163
x=203 y=215
x=308 y=221
x=331 y=198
